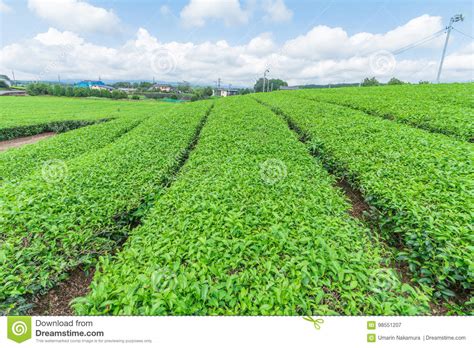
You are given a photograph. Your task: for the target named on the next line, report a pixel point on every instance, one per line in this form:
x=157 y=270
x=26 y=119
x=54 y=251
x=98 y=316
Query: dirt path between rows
x=56 y=301
x=9 y=144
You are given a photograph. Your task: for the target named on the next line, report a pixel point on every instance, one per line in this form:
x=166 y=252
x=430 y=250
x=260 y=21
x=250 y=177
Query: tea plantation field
x=33 y=115
x=351 y=201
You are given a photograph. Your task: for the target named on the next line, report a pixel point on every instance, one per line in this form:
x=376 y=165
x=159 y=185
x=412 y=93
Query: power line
x=416 y=43
x=419 y=42
x=447 y=30
x=460 y=32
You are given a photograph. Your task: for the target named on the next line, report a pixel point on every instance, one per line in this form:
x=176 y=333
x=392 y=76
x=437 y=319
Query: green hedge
x=57 y=219
x=32 y=111
x=252 y=226
x=420 y=182
x=410 y=105
x=19 y=162
x=58 y=127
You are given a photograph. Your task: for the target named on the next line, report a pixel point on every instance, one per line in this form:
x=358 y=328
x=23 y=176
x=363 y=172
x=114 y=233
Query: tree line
x=70 y=91
x=369 y=82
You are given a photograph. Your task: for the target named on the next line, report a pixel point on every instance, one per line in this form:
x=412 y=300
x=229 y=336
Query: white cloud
x=261 y=45
x=75 y=15
x=198 y=11
x=320 y=42
x=145 y=40
x=4 y=8
x=305 y=59
x=461 y=61
x=326 y=42
x=55 y=37
x=276 y=11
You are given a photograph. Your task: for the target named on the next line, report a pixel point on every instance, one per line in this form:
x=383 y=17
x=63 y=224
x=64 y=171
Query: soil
x=56 y=301
x=8 y=144
x=359 y=206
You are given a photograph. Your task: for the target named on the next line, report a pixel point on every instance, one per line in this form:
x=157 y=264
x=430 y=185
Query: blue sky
x=166 y=21
x=352 y=15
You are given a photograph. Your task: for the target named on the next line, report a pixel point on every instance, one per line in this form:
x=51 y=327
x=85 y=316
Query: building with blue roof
x=89 y=84
x=93 y=85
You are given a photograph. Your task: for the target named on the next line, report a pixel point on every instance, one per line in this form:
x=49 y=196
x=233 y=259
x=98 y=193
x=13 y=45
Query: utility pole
x=454 y=19
x=13 y=74
x=217 y=91
x=265 y=79
x=59 y=79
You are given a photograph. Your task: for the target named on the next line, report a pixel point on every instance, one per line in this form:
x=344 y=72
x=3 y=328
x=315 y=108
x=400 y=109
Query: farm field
x=20 y=162
x=34 y=115
x=350 y=201
x=56 y=219
x=417 y=181
x=445 y=109
x=224 y=241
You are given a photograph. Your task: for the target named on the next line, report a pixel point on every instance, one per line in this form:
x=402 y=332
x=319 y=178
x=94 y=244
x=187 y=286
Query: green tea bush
x=251 y=226
x=20 y=162
x=58 y=127
x=420 y=182
x=33 y=115
x=427 y=107
x=68 y=213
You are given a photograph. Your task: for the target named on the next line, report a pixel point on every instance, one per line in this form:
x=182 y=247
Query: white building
x=102 y=87
x=162 y=88
x=224 y=92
